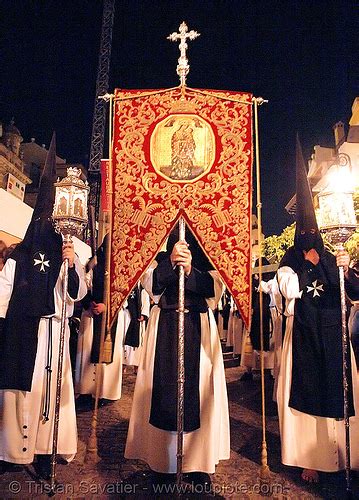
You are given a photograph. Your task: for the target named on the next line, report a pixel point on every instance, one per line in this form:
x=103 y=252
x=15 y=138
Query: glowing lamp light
x=336 y=205
x=70 y=209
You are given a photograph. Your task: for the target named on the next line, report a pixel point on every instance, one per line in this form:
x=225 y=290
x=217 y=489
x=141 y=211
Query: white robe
x=271 y=287
x=250 y=358
x=132 y=355
x=23 y=431
x=110 y=373
x=204 y=447
x=309 y=441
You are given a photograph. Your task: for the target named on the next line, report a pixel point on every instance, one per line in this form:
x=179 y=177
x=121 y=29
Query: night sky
x=300 y=55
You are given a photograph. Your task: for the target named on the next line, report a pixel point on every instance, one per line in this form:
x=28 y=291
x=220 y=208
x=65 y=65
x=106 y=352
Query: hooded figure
x=307 y=234
x=153 y=423
x=30 y=305
x=164 y=396
x=317 y=390
x=38 y=261
x=310 y=387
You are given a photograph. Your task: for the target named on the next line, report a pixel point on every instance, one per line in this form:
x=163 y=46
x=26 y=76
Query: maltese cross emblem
x=41 y=263
x=316 y=288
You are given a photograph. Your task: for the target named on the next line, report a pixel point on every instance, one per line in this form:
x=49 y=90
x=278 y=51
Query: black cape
x=38 y=262
x=317 y=368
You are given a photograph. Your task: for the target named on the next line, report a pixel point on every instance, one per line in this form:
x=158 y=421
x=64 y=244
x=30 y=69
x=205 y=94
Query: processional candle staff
x=69 y=218
x=337 y=221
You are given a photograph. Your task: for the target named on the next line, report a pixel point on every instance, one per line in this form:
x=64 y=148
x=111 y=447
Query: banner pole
x=264 y=471
x=180 y=360
x=92 y=448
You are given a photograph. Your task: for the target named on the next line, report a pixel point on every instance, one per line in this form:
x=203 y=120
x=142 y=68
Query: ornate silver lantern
x=337 y=218
x=70 y=209
x=337 y=221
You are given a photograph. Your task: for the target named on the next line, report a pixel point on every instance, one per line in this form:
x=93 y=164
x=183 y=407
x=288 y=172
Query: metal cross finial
x=183 y=66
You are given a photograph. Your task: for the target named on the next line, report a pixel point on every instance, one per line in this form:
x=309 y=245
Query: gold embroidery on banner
x=220 y=199
x=183 y=106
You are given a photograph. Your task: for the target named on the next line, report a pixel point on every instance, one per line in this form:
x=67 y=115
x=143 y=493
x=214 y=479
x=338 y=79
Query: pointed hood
x=306 y=232
x=46 y=197
x=38 y=262
x=39 y=254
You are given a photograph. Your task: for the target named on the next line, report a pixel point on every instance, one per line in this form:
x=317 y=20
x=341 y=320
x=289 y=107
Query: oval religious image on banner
x=182 y=147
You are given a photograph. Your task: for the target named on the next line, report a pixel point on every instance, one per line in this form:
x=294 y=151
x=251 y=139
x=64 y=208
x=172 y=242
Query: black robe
x=266 y=316
x=226 y=309
x=132 y=337
x=96 y=295
x=198 y=286
x=317 y=368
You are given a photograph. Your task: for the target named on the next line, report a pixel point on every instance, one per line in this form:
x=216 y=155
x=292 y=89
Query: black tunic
x=198 y=286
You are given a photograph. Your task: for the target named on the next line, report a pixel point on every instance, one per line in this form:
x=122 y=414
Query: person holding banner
x=152 y=429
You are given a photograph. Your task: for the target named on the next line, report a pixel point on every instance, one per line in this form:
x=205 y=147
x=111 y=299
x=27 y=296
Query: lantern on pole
x=69 y=218
x=337 y=221
x=70 y=208
x=337 y=218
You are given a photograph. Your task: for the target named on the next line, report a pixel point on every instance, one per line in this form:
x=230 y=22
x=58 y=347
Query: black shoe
x=9 y=467
x=160 y=478
x=84 y=401
x=200 y=481
x=42 y=466
x=104 y=402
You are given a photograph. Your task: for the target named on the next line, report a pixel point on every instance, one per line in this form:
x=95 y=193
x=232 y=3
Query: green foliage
x=274 y=247
x=356 y=202
x=352 y=246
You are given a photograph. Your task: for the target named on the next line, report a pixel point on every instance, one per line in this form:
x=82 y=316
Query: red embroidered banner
x=182 y=155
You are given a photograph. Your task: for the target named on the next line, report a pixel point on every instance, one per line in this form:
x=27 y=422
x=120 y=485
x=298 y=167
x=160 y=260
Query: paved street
x=115 y=477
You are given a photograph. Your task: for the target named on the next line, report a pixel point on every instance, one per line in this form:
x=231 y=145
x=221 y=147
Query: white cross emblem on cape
x=316 y=288
x=42 y=262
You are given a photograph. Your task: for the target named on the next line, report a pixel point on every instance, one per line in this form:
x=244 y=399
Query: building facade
x=324 y=159
x=13 y=176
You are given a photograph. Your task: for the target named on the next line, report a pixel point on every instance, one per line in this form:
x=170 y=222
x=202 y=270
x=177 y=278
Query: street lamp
x=69 y=218
x=337 y=221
